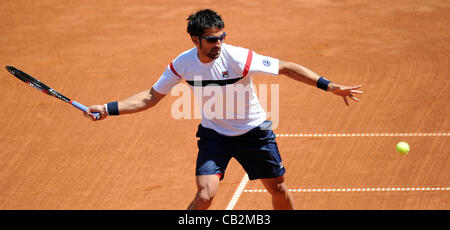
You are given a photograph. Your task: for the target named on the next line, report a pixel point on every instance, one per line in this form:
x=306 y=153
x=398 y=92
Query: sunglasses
x=213 y=39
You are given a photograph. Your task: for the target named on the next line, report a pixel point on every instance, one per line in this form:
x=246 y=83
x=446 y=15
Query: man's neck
x=203 y=58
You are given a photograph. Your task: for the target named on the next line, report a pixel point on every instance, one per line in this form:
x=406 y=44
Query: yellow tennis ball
x=403 y=148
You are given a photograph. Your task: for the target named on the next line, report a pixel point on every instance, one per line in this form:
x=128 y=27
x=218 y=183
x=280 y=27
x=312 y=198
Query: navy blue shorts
x=255 y=150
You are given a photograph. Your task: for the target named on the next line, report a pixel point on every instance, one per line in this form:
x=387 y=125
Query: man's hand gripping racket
x=49 y=91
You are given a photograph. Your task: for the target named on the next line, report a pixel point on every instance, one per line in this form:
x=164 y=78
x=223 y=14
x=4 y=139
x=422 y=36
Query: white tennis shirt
x=223 y=87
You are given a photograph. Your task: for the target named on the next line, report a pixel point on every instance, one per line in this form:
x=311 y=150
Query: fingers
x=353 y=90
x=357 y=91
x=355 y=87
x=354 y=98
x=346 y=91
x=94 y=117
x=351 y=96
x=345 y=100
x=88 y=114
x=96 y=109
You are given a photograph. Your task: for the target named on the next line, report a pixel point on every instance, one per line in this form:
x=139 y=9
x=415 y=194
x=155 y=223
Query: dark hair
x=202 y=20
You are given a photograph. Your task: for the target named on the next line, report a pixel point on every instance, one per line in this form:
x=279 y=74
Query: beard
x=213 y=53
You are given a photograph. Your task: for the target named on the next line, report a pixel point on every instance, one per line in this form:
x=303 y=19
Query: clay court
x=337 y=157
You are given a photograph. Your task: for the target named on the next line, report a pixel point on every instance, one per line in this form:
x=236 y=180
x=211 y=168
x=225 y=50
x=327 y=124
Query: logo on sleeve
x=266 y=62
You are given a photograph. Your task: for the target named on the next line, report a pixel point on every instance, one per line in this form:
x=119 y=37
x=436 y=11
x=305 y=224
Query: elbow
x=285 y=67
x=149 y=102
x=153 y=98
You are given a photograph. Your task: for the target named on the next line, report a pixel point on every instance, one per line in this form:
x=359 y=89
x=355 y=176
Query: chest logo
x=225 y=74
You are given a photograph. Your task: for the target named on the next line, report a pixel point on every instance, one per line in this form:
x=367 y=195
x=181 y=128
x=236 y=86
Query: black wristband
x=322 y=83
x=112 y=108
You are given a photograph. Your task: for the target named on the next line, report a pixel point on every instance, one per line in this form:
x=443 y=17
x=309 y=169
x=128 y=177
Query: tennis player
x=242 y=133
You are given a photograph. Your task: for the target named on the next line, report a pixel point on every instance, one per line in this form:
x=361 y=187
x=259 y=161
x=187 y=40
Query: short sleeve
x=167 y=81
x=264 y=65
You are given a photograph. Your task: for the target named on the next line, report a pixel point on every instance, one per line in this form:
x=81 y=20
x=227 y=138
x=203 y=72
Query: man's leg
x=207 y=186
x=281 y=198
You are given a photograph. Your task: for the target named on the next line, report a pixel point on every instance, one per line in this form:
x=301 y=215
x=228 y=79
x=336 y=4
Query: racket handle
x=84 y=108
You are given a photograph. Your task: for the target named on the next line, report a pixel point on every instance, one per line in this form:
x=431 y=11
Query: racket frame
x=46 y=89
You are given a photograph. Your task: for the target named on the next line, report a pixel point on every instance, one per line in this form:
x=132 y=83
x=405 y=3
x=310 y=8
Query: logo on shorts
x=281 y=165
x=225 y=74
x=266 y=62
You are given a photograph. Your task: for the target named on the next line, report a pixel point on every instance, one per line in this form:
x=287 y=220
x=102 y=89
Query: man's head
x=202 y=20
x=206 y=30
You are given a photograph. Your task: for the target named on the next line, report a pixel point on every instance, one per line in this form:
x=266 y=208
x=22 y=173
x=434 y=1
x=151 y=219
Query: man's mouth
x=215 y=52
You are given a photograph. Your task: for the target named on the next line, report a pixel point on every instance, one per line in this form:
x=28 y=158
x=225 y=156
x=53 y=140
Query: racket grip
x=83 y=108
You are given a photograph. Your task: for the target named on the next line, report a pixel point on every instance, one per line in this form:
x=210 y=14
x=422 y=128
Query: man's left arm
x=303 y=74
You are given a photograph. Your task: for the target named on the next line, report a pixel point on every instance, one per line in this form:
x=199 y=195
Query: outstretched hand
x=346 y=91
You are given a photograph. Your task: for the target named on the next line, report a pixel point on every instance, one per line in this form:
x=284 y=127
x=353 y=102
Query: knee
x=206 y=190
x=204 y=198
x=278 y=190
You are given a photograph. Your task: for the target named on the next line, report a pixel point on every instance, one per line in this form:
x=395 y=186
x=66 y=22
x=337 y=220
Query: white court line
x=238 y=193
x=364 y=135
x=318 y=190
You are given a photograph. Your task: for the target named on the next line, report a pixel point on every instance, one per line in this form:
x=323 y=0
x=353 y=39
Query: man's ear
x=195 y=40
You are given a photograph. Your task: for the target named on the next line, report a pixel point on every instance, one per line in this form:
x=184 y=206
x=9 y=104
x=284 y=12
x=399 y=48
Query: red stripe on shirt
x=248 y=63
x=174 y=71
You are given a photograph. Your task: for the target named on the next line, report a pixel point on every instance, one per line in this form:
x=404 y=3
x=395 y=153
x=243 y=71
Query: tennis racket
x=45 y=89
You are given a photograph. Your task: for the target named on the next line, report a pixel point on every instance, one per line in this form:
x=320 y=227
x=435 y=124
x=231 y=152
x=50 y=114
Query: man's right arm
x=133 y=104
x=303 y=74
